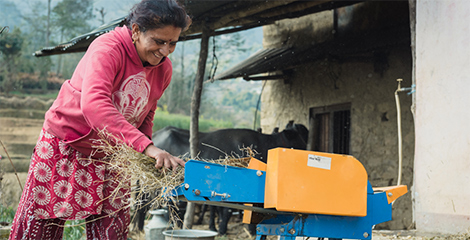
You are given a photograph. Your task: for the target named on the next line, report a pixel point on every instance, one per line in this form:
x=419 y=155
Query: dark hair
x=151 y=14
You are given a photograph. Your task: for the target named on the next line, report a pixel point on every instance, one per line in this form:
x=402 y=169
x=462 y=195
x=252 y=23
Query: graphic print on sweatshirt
x=132 y=98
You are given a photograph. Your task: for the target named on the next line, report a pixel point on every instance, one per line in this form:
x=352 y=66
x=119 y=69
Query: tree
x=230 y=100
x=102 y=13
x=40 y=33
x=221 y=100
x=178 y=95
x=10 y=47
x=71 y=18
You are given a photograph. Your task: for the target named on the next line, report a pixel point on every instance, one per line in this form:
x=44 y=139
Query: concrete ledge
x=416 y=235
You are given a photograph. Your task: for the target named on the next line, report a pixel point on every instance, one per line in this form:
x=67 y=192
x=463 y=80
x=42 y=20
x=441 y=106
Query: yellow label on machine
x=315 y=183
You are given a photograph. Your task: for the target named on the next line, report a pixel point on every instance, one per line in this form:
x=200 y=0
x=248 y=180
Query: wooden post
x=195 y=104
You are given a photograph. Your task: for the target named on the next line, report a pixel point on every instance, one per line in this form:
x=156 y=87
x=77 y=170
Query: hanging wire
x=257 y=105
x=215 y=62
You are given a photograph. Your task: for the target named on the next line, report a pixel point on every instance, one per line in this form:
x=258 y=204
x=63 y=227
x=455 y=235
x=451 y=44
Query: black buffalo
x=218 y=144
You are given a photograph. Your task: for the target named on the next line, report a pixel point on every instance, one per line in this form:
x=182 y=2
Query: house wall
x=371 y=94
x=442 y=166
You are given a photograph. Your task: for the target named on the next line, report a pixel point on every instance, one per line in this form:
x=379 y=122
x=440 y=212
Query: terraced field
x=21 y=121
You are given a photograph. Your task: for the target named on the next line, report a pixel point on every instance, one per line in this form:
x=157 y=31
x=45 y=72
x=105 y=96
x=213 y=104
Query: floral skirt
x=67 y=185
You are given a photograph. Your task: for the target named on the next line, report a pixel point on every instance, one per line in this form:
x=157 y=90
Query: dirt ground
x=239 y=231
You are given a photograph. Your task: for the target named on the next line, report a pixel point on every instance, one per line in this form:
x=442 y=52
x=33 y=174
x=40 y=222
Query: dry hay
x=136 y=173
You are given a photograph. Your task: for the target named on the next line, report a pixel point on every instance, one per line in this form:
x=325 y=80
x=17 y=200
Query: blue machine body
x=216 y=184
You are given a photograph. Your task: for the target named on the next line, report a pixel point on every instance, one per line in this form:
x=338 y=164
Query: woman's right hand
x=163 y=158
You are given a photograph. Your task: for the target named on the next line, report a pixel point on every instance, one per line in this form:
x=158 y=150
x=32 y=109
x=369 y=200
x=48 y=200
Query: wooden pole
x=195 y=104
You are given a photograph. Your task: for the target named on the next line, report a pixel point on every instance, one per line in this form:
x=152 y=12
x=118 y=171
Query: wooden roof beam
x=216 y=23
x=293 y=7
x=257 y=8
x=295 y=14
x=293 y=10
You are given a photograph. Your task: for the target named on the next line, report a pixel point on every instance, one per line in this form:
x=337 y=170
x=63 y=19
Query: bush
x=163 y=119
x=31 y=82
x=74 y=230
x=6 y=215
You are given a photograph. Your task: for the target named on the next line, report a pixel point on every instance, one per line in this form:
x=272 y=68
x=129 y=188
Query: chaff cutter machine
x=296 y=194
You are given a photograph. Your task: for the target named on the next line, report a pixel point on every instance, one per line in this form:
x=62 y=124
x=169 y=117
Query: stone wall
x=374 y=139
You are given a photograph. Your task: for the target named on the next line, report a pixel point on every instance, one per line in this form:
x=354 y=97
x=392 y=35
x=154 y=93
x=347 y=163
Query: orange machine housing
x=249 y=216
x=315 y=183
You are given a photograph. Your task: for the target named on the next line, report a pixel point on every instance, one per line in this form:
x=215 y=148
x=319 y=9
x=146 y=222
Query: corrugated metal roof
x=3 y=29
x=271 y=60
x=80 y=43
x=266 y=60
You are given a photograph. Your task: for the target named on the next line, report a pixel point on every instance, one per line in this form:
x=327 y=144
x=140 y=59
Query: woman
x=115 y=87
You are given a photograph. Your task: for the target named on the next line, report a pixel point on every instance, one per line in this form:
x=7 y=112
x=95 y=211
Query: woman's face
x=154 y=44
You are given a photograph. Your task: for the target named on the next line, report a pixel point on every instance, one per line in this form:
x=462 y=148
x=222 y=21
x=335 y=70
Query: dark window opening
x=330 y=129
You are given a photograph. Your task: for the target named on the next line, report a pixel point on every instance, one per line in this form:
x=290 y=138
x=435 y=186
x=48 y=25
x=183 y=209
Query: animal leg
x=225 y=218
x=252 y=229
x=201 y=214
x=212 y=218
x=142 y=208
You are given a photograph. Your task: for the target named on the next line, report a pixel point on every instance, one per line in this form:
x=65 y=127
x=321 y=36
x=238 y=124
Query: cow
x=220 y=143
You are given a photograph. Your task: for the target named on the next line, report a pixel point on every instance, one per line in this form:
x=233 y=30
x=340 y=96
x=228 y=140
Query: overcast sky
x=113 y=8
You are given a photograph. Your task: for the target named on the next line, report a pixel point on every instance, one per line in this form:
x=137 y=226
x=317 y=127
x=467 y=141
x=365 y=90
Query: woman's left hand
x=163 y=158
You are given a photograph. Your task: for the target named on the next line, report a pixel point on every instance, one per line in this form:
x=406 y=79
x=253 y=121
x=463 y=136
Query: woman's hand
x=163 y=158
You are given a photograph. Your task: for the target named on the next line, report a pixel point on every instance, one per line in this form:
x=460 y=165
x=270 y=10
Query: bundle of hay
x=136 y=173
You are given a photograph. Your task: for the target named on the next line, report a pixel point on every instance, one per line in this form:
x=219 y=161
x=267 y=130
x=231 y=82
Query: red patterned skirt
x=67 y=185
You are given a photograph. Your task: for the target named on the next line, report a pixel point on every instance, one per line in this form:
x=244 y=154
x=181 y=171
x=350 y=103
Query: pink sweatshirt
x=109 y=89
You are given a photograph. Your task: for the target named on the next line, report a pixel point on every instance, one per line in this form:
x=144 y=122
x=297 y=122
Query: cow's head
x=297 y=135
